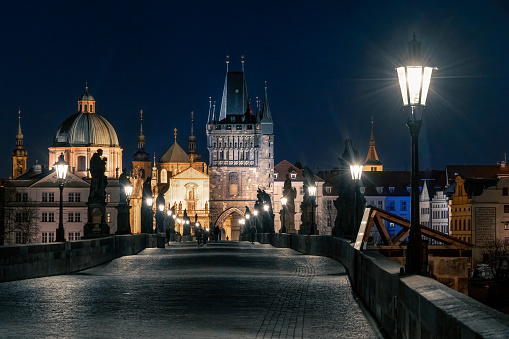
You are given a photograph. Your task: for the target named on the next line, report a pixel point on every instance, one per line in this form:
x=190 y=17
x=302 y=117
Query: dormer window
x=391 y=189
x=379 y=190
x=328 y=190
x=293 y=175
x=363 y=189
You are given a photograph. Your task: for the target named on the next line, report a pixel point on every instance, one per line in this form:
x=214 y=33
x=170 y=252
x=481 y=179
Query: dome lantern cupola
x=86 y=102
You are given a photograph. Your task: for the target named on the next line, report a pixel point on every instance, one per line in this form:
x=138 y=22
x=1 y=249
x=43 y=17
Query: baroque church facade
x=241 y=154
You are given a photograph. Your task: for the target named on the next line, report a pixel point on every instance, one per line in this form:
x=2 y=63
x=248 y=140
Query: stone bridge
x=228 y=290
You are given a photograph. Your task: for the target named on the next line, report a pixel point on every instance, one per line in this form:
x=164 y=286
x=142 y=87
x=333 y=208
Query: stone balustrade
x=407 y=306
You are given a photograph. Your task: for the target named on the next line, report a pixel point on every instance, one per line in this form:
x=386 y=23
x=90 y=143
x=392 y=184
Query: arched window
x=164 y=176
x=82 y=163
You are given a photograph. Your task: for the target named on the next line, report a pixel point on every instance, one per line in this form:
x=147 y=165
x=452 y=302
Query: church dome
x=86 y=97
x=85 y=129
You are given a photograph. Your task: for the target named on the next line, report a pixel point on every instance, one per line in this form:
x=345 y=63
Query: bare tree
x=494 y=253
x=326 y=217
x=21 y=216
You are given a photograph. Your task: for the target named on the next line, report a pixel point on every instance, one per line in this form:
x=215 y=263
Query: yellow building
x=460 y=211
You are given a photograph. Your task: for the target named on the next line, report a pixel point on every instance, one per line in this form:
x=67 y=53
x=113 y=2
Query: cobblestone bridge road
x=221 y=290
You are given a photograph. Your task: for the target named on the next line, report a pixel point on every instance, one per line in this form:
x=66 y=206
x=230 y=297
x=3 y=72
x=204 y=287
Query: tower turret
x=141 y=159
x=193 y=152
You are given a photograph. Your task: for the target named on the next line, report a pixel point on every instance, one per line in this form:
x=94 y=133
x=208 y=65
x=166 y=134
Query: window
x=74 y=197
x=301 y=190
x=70 y=236
x=21 y=217
x=44 y=217
x=51 y=236
x=21 y=197
x=391 y=190
x=329 y=205
x=228 y=127
x=391 y=224
x=506 y=208
x=44 y=237
x=239 y=127
x=380 y=204
x=51 y=217
x=82 y=163
x=70 y=217
x=51 y=197
x=293 y=175
x=44 y=197
x=506 y=225
x=328 y=190
x=379 y=190
x=403 y=206
x=504 y=191
x=19 y=237
x=392 y=205
x=363 y=189
x=275 y=175
x=71 y=197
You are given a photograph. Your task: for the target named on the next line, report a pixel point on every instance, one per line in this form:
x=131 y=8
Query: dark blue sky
x=329 y=66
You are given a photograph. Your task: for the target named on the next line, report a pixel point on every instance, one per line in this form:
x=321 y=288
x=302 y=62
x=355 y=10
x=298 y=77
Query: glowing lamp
x=149 y=201
x=356 y=171
x=266 y=208
x=312 y=190
x=242 y=221
x=414 y=83
x=61 y=167
x=255 y=213
x=128 y=190
x=161 y=208
x=283 y=201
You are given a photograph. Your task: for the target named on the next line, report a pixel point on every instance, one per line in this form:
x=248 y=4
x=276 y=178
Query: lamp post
x=283 y=205
x=312 y=195
x=123 y=207
x=414 y=82
x=61 y=169
x=356 y=171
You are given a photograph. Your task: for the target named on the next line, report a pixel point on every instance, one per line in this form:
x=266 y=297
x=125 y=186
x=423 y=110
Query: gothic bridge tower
x=241 y=154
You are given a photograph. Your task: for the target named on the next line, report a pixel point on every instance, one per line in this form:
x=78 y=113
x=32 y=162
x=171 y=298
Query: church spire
x=19 y=154
x=193 y=152
x=372 y=162
x=141 y=155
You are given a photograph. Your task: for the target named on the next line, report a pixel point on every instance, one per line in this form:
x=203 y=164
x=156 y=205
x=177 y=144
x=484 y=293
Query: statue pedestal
x=123 y=225
x=96 y=226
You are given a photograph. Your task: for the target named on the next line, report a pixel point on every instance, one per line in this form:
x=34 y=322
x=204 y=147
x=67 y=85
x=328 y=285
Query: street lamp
x=61 y=168
x=312 y=194
x=414 y=82
x=356 y=171
x=283 y=204
x=149 y=202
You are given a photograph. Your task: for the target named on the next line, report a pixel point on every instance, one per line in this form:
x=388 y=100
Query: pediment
x=71 y=180
x=190 y=173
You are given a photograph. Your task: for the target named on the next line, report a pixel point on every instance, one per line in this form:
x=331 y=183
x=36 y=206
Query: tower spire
x=242 y=60
x=372 y=162
x=227 y=62
x=19 y=154
x=192 y=120
x=175 y=130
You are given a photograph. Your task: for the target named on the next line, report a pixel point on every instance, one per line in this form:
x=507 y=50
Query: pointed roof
x=175 y=154
x=266 y=115
x=372 y=157
x=285 y=167
x=141 y=155
x=235 y=100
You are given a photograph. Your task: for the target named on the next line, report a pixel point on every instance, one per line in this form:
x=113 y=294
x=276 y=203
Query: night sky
x=329 y=66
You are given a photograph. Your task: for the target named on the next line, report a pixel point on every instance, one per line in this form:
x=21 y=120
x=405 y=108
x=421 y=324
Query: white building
x=32 y=210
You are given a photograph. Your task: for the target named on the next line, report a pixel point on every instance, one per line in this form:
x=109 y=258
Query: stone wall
x=40 y=260
x=407 y=306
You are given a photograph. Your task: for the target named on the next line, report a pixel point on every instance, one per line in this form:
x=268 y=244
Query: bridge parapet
x=407 y=306
x=19 y=262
